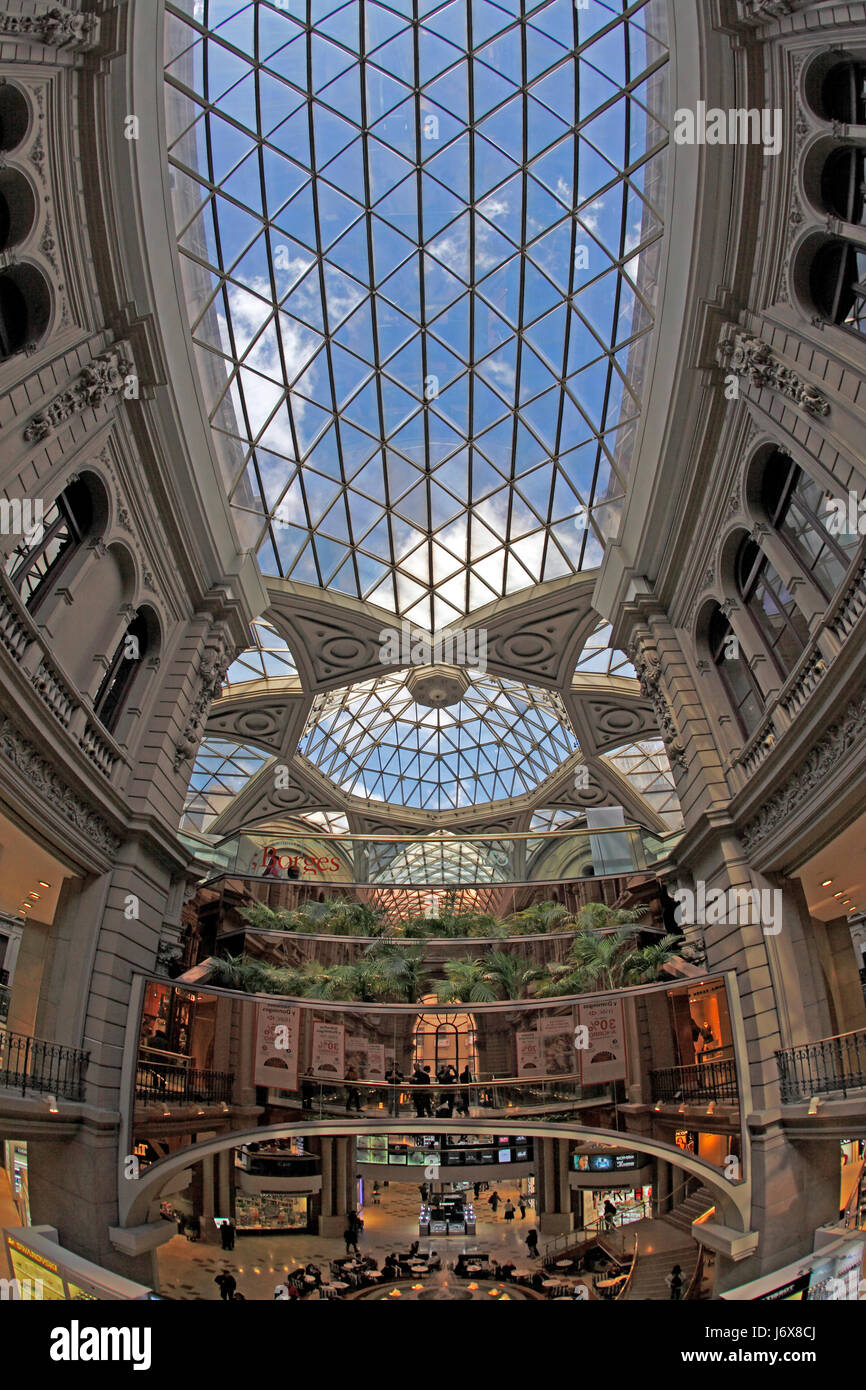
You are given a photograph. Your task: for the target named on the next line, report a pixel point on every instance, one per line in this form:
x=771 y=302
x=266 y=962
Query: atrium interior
x=433 y=650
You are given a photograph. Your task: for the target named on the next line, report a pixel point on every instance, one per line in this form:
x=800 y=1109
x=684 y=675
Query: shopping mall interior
x=432 y=714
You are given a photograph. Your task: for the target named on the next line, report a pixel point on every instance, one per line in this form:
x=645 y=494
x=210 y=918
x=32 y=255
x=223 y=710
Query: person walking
x=532 y=1243
x=509 y=1210
x=609 y=1214
x=225 y=1235
x=350 y=1236
x=521 y=1203
x=493 y=1200
x=674 y=1281
x=226 y=1284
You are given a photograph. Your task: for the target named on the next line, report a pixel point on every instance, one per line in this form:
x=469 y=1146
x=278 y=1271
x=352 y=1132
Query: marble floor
x=187 y=1270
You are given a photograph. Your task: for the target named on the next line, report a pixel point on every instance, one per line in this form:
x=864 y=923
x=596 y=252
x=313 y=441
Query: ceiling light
x=43 y=884
x=826 y=883
x=34 y=895
x=837 y=895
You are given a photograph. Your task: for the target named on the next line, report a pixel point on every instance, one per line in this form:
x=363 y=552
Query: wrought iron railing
x=181 y=1085
x=32 y=1064
x=823 y=1067
x=706 y=1082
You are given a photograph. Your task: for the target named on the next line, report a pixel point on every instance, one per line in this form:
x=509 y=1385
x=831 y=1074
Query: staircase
x=688 y=1211
x=649 y=1277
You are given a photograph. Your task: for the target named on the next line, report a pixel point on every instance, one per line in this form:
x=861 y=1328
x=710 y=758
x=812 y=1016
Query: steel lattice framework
x=419 y=245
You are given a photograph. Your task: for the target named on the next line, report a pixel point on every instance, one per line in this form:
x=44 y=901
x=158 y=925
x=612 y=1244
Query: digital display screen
x=504 y=1155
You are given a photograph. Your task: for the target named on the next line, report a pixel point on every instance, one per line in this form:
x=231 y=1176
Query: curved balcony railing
x=32 y=1064
x=436 y=861
x=826 y=1067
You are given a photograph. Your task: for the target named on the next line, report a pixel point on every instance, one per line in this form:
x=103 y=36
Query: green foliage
x=385 y=973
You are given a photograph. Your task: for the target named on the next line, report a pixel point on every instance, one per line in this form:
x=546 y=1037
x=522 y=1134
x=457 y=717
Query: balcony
x=27 y=649
x=697 y=1084
x=827 y=1067
x=157 y=1083
x=33 y=1065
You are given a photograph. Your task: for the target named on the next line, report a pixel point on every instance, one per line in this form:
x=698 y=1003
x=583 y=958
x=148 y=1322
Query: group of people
x=421 y=1080
x=494 y=1201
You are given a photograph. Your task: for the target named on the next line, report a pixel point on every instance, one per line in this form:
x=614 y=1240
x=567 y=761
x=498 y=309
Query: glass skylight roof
x=419 y=245
x=599 y=657
x=501 y=740
x=268 y=658
x=646 y=766
x=222 y=769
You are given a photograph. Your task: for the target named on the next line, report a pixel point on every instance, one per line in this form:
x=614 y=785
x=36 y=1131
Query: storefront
x=273 y=1211
x=609 y=1175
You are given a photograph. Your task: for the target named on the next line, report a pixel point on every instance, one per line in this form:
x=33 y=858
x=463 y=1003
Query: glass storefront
x=272 y=1211
x=15 y=1163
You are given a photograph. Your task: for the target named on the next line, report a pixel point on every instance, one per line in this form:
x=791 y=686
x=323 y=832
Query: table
x=564 y=1264
x=374 y=1274
x=551 y=1284
x=611 y=1283
x=309 y=1278
x=338 y=1284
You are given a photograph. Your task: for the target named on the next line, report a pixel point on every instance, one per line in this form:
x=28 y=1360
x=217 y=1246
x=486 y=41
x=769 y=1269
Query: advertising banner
x=604 y=1059
x=275 y=1056
x=328 y=1051
x=556 y=1040
x=368 y=1058
x=530 y=1061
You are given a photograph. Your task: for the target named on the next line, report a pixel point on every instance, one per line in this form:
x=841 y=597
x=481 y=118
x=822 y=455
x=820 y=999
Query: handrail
x=822 y=1067
x=35 y=1064
x=697 y=1279
x=26 y=646
x=626 y=1285
x=703 y=1082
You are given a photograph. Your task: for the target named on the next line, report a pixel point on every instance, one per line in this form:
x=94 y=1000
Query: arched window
x=444 y=1038
x=843 y=93
x=35 y=564
x=117 y=682
x=838 y=285
x=842 y=190
x=771 y=606
x=735 y=673
x=796 y=506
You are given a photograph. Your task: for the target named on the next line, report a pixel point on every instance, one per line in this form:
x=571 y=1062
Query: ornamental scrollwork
x=750 y=357
x=101 y=380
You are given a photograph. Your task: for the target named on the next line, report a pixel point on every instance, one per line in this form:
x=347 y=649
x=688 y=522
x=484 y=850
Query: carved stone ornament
x=56 y=26
x=816 y=771
x=40 y=775
x=752 y=358
x=212 y=669
x=649 y=675
x=100 y=380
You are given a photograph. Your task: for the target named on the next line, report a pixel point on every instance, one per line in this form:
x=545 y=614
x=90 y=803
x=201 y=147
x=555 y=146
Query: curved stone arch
x=136 y=1198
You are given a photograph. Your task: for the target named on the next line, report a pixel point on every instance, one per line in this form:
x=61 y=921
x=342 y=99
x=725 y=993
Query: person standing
x=509 y=1210
x=466 y=1080
x=350 y=1236
x=419 y=1096
x=674 y=1281
x=521 y=1202
x=353 y=1095
x=532 y=1243
x=493 y=1200
x=226 y=1284
x=225 y=1235
x=394 y=1076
